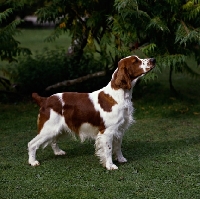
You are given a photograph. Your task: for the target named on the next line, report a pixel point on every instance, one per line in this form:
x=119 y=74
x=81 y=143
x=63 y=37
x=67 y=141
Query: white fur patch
x=87 y=131
x=144 y=64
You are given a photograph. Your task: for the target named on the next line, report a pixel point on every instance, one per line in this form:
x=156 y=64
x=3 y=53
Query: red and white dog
x=103 y=115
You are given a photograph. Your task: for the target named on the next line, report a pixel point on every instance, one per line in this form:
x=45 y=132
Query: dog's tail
x=39 y=100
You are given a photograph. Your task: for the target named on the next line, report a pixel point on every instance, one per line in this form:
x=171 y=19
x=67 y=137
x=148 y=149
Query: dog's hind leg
x=43 y=139
x=32 y=152
x=33 y=145
x=49 y=132
x=56 y=149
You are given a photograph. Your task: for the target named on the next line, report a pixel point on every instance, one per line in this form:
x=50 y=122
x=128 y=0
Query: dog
x=102 y=115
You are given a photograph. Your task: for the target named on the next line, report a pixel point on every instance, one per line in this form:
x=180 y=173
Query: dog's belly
x=87 y=130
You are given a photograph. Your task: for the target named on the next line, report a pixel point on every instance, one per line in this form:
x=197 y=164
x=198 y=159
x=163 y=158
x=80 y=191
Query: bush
x=35 y=73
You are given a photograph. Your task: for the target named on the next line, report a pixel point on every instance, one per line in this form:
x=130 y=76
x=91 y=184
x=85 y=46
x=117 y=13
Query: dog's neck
x=128 y=93
x=119 y=94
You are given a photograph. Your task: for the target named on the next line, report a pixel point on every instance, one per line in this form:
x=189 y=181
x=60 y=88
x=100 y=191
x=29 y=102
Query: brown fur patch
x=79 y=109
x=51 y=102
x=122 y=79
x=128 y=70
x=43 y=116
x=106 y=101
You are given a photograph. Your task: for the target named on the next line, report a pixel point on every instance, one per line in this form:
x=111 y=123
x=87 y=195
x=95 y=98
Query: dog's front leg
x=104 y=149
x=117 y=142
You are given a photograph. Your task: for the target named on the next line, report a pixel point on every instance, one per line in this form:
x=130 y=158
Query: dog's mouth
x=152 y=64
x=153 y=61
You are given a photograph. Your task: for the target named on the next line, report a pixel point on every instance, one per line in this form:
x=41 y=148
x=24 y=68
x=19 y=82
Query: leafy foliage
x=9 y=47
x=109 y=30
x=87 y=23
x=170 y=31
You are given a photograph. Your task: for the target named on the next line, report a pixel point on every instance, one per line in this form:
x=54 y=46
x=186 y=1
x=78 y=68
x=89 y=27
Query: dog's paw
x=61 y=152
x=121 y=159
x=111 y=167
x=34 y=163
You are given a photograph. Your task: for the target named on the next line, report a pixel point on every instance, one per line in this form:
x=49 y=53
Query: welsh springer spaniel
x=103 y=115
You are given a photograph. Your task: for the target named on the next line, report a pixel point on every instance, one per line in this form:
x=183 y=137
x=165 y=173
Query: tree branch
x=185 y=27
x=5 y=82
x=77 y=80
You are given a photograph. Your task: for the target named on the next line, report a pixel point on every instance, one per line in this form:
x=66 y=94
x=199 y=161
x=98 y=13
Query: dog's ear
x=123 y=79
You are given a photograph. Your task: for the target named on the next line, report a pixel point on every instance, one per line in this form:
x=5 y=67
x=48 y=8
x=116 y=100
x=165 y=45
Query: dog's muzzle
x=153 y=61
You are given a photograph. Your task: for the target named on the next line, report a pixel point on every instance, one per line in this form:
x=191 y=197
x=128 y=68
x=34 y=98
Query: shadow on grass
x=136 y=150
x=73 y=149
x=132 y=150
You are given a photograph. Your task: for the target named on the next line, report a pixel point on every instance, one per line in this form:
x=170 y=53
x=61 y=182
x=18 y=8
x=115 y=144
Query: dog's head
x=130 y=69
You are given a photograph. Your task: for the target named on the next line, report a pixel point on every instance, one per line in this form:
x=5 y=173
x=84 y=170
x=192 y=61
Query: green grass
x=162 y=148
x=34 y=39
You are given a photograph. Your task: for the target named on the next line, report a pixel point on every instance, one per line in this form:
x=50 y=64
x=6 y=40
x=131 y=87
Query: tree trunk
x=172 y=89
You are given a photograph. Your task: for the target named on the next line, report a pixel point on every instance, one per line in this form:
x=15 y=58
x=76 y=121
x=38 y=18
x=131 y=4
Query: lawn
x=162 y=147
x=34 y=39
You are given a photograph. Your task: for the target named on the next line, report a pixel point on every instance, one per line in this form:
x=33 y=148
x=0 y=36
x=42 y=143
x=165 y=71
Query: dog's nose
x=153 y=60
